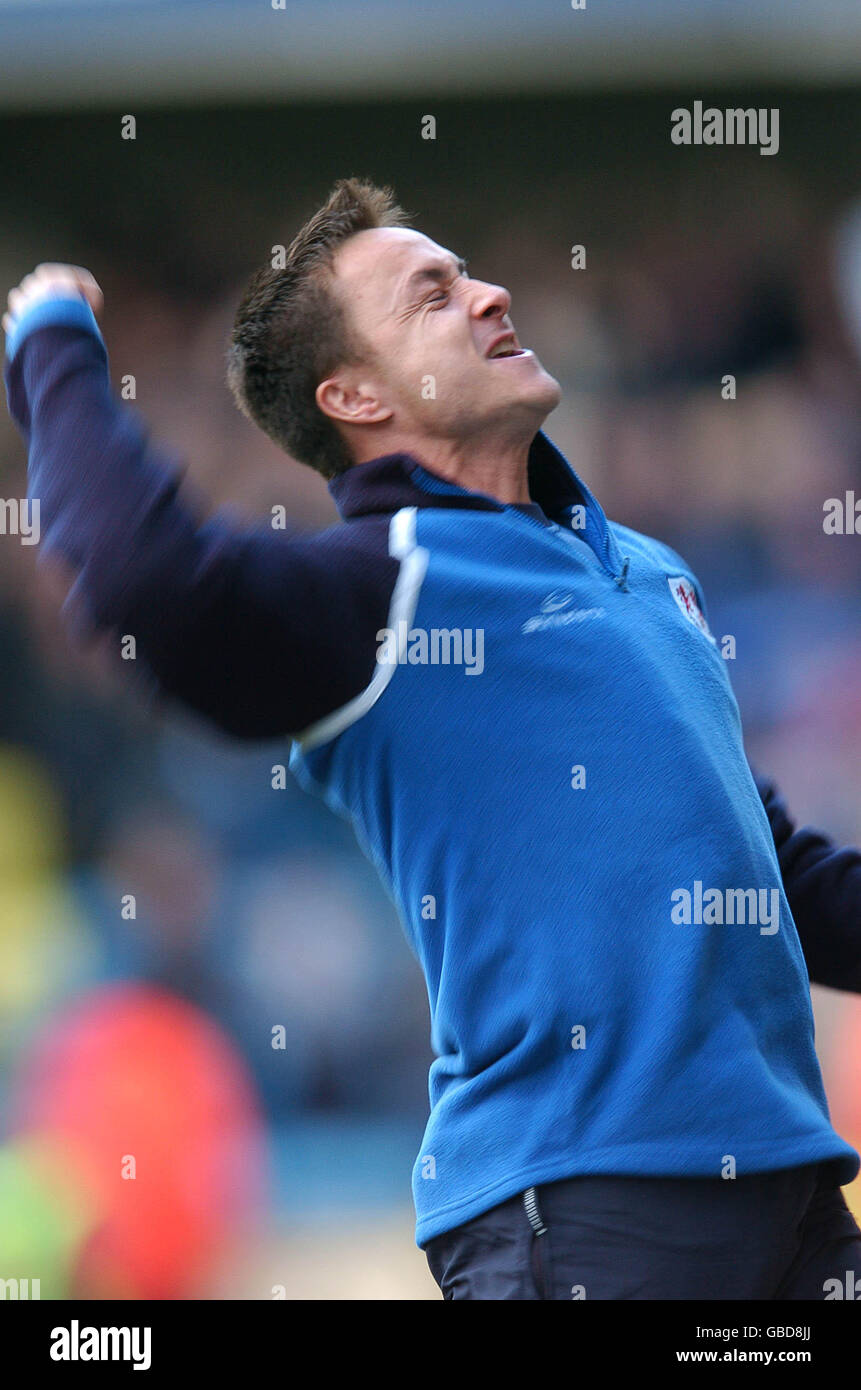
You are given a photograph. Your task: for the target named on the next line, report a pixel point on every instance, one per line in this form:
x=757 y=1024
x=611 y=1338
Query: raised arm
x=249 y=628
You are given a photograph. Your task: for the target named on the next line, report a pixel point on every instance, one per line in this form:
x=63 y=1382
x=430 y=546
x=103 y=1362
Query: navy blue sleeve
x=261 y=632
x=823 y=885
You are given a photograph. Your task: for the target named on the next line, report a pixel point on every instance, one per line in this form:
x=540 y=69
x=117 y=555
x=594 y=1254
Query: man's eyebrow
x=436 y=273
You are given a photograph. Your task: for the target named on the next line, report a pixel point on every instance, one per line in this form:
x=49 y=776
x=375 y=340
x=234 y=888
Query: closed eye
x=445 y=294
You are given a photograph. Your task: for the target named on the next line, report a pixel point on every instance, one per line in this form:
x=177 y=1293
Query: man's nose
x=489 y=300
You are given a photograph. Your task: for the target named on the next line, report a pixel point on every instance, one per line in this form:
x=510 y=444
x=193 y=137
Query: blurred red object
x=844 y=1072
x=159 y=1119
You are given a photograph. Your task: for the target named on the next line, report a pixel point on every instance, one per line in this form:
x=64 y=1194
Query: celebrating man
x=615 y=923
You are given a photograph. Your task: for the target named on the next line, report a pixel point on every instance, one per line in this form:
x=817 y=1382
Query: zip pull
x=533 y=1215
x=622 y=579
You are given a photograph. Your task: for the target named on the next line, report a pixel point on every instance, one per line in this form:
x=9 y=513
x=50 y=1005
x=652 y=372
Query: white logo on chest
x=556 y=611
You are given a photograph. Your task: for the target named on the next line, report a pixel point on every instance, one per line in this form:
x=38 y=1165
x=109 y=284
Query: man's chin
x=554 y=390
x=545 y=391
x=534 y=400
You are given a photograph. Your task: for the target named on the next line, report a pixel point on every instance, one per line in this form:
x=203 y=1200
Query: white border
x=405 y=597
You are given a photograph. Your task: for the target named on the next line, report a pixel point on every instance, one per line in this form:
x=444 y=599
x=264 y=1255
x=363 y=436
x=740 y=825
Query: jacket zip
x=620 y=578
x=605 y=560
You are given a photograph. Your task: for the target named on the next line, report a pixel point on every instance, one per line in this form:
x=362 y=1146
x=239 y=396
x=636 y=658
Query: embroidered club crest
x=685 y=595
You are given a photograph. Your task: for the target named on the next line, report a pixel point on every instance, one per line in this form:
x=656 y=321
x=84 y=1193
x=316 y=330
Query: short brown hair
x=291 y=331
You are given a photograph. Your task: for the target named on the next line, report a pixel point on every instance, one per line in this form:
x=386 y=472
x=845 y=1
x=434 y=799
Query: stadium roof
x=64 y=53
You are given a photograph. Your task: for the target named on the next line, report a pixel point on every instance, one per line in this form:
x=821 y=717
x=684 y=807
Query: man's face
x=436 y=337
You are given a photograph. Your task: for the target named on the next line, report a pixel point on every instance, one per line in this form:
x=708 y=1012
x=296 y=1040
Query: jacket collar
x=398 y=480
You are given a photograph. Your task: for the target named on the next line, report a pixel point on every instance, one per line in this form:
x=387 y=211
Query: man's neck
x=498 y=471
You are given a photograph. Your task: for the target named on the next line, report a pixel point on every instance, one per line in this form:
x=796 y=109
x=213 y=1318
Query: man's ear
x=351 y=400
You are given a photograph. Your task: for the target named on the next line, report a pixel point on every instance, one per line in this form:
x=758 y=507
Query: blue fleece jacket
x=524 y=715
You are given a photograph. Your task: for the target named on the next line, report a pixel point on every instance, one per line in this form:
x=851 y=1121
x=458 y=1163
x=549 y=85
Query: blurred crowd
x=253 y=909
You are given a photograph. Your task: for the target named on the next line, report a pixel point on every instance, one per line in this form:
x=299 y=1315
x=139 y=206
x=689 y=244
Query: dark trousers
x=780 y=1235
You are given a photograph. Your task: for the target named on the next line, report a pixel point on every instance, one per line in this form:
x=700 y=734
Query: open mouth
x=506 y=352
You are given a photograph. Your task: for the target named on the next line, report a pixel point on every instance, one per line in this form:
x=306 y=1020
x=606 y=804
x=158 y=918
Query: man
x=520 y=707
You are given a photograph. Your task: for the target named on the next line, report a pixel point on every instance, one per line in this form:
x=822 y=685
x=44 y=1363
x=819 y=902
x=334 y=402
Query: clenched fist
x=48 y=281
